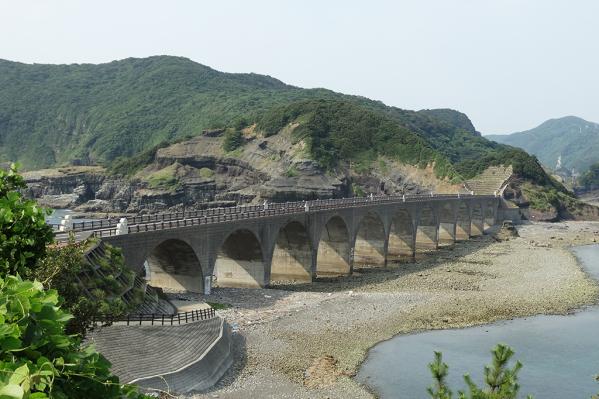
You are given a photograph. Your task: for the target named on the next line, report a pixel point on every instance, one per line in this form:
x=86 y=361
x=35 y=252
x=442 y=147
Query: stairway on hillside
x=490 y=181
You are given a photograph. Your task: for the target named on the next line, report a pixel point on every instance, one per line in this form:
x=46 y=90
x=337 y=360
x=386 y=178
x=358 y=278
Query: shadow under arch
x=239 y=261
x=447 y=225
x=477 y=222
x=463 y=224
x=292 y=255
x=427 y=237
x=173 y=265
x=333 y=255
x=369 y=247
x=401 y=237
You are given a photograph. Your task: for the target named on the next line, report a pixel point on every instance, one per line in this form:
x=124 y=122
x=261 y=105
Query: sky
x=508 y=64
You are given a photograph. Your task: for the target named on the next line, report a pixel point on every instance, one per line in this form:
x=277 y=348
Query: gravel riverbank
x=307 y=341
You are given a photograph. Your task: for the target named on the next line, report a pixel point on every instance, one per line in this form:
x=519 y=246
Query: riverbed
x=560 y=353
x=309 y=341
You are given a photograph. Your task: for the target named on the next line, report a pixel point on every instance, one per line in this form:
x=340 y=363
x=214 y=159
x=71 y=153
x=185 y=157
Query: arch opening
x=369 y=248
x=401 y=237
x=427 y=238
x=463 y=224
x=490 y=208
x=333 y=256
x=477 y=225
x=173 y=265
x=292 y=256
x=239 y=262
x=447 y=225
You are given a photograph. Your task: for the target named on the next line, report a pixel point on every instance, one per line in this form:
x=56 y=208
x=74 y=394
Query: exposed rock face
x=197 y=173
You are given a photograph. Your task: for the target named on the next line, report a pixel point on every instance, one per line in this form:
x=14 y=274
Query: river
x=560 y=353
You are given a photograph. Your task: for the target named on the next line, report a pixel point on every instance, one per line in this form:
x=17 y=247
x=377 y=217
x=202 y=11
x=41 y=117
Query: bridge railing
x=167 y=217
x=159 y=319
x=211 y=216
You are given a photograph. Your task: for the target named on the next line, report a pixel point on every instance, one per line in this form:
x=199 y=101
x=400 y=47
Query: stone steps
x=175 y=359
x=491 y=180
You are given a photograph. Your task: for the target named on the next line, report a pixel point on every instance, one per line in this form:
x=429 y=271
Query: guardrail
x=173 y=216
x=159 y=319
x=221 y=215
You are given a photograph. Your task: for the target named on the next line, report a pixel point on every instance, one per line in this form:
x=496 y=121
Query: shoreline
x=308 y=341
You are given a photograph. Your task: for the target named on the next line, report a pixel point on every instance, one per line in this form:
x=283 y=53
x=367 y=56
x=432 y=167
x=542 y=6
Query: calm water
x=58 y=214
x=560 y=353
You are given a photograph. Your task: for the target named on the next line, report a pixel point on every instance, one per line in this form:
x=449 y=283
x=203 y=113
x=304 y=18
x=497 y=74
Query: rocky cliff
x=198 y=173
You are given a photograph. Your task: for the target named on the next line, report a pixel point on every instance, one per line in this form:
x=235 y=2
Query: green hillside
x=94 y=114
x=572 y=138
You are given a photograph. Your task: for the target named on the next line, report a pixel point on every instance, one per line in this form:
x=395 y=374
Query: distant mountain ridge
x=572 y=140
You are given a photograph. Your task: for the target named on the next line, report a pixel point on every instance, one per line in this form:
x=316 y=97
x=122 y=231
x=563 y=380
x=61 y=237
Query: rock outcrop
x=198 y=173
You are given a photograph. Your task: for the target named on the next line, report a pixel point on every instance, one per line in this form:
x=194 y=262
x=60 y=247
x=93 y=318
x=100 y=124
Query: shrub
x=24 y=233
x=86 y=294
x=232 y=140
x=501 y=381
x=38 y=359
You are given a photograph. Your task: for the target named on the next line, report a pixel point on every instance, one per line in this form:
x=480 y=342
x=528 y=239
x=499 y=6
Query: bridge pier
x=462 y=232
x=447 y=233
x=370 y=243
x=333 y=256
x=401 y=245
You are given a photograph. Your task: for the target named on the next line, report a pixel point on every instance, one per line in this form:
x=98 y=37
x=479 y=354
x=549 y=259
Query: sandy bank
x=307 y=341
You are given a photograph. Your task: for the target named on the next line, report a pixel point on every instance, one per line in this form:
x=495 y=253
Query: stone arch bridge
x=253 y=246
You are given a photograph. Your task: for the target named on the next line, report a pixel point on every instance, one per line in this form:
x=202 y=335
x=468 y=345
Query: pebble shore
x=307 y=341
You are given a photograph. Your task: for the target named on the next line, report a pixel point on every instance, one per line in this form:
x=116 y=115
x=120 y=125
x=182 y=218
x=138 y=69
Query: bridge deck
x=144 y=223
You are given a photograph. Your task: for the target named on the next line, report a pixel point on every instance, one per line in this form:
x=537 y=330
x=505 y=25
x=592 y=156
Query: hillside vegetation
x=573 y=139
x=54 y=114
x=590 y=179
x=120 y=113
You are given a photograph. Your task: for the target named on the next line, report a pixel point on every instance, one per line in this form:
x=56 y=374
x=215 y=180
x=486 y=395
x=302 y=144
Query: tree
x=37 y=358
x=590 y=179
x=24 y=233
x=233 y=140
x=501 y=381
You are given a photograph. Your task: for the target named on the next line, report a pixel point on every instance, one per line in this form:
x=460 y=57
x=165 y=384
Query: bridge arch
x=174 y=265
x=333 y=253
x=447 y=224
x=477 y=220
x=240 y=261
x=427 y=233
x=292 y=254
x=463 y=225
x=369 y=245
x=490 y=213
x=401 y=237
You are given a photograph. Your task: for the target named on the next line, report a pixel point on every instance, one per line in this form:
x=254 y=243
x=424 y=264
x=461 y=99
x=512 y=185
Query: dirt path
x=307 y=341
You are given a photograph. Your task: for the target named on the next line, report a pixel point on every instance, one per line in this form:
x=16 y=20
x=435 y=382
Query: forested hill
x=54 y=114
x=573 y=139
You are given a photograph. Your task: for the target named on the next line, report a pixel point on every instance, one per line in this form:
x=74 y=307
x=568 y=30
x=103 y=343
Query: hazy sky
x=508 y=64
